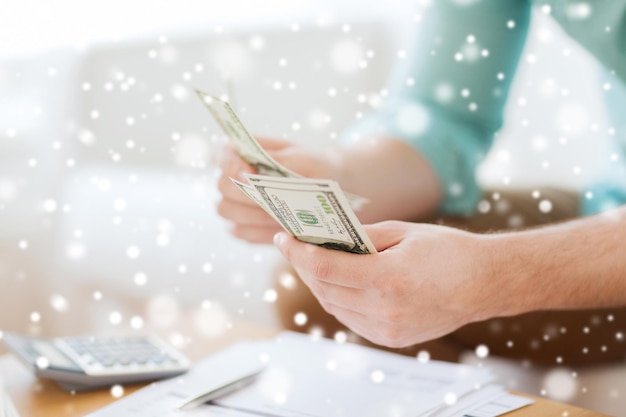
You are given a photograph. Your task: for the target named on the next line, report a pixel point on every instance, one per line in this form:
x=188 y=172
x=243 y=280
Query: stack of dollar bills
x=315 y=211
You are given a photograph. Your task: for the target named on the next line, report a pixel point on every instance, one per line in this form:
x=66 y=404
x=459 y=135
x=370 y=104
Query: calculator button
x=123 y=356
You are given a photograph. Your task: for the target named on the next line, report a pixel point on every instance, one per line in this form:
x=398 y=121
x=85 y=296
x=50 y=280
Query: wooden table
x=41 y=398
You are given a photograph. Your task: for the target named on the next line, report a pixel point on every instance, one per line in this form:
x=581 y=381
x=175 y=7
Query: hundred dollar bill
x=252 y=194
x=313 y=211
x=249 y=148
x=246 y=145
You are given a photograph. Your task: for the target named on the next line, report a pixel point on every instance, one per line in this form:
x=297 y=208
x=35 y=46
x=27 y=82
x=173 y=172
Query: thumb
x=386 y=234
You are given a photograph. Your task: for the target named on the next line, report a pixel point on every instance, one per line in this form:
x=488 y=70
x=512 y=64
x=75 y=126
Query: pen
x=230 y=386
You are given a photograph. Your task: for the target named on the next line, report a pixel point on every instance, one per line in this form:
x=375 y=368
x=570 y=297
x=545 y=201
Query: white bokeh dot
x=444 y=92
x=163 y=310
x=207 y=268
x=270 y=295
x=59 y=303
x=378 y=376
x=423 y=356
x=579 y=10
x=50 y=205
x=545 y=206
x=140 y=279
x=119 y=204
x=162 y=240
x=115 y=318
x=136 y=322
x=280 y=398
x=35 y=317
x=482 y=351
x=117 y=391
x=341 y=336
x=560 y=385
x=484 y=206
x=412 y=119
x=346 y=55
x=450 y=398
x=256 y=42
x=75 y=251
x=572 y=118
x=211 y=320
x=132 y=252
x=300 y=318
x=42 y=362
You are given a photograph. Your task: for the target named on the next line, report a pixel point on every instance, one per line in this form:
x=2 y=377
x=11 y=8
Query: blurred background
x=106 y=177
x=107 y=196
x=106 y=174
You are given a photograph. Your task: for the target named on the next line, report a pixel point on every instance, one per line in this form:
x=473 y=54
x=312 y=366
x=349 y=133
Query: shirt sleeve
x=599 y=26
x=607 y=190
x=446 y=97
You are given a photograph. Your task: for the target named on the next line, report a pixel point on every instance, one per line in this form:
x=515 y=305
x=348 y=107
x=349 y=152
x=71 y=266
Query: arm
x=384 y=171
x=574 y=265
x=427 y=281
x=446 y=98
x=419 y=152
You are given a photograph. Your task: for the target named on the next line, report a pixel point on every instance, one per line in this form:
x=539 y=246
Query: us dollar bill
x=245 y=144
x=249 y=148
x=254 y=196
x=312 y=210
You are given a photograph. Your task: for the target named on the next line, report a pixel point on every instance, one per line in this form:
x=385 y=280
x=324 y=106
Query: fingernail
x=279 y=239
x=242 y=175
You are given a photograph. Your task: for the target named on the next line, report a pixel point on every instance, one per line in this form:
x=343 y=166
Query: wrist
x=385 y=170
x=338 y=165
x=509 y=274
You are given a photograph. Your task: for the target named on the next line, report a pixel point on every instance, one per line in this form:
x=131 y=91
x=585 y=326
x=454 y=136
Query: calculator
x=88 y=362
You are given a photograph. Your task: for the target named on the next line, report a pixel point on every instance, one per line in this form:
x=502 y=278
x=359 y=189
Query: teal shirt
x=447 y=98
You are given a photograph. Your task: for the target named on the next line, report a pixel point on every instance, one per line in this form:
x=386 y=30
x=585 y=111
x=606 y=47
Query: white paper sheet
x=323 y=379
x=498 y=406
x=306 y=377
x=161 y=399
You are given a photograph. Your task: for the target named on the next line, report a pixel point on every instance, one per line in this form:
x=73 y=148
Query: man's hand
x=249 y=222
x=425 y=282
x=394 y=177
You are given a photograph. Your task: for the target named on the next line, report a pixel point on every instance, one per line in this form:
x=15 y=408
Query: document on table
x=7 y=409
x=315 y=377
